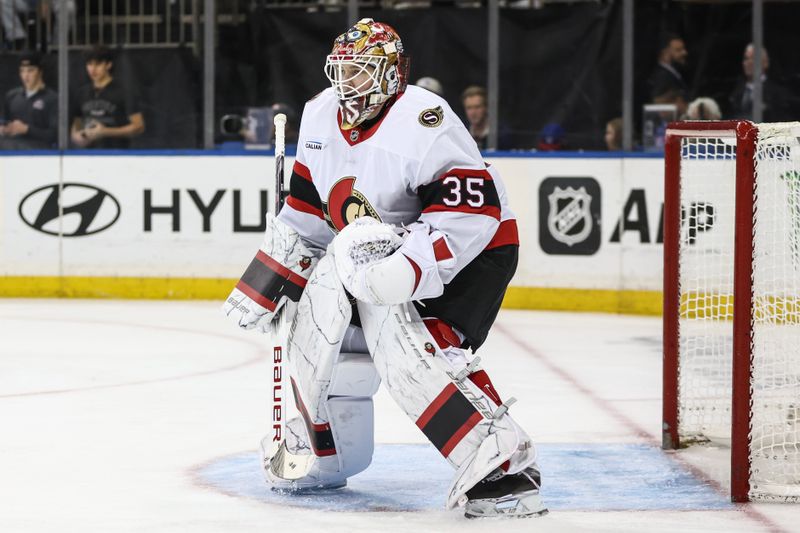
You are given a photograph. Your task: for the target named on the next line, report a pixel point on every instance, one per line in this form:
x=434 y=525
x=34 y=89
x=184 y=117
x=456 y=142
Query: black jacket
x=778 y=102
x=663 y=80
x=39 y=112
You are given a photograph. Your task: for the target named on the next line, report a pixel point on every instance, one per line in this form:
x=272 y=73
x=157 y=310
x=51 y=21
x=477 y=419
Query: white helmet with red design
x=367 y=67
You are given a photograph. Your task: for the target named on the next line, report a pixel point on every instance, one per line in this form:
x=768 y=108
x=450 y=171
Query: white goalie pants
x=336 y=368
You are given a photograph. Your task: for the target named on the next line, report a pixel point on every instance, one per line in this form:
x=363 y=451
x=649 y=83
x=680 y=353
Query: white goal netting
x=706 y=261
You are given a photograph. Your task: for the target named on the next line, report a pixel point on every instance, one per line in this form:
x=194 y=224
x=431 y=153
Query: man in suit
x=777 y=98
x=667 y=75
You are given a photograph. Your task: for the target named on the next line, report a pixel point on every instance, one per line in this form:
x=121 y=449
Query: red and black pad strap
x=461 y=190
x=448 y=419
x=265 y=281
x=320 y=435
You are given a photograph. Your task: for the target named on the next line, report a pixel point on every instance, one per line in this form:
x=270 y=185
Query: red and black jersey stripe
x=266 y=280
x=303 y=195
x=463 y=190
x=320 y=435
x=448 y=419
x=506 y=234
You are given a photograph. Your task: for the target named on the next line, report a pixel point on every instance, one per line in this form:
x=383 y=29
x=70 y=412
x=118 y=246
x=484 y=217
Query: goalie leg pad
x=460 y=418
x=333 y=437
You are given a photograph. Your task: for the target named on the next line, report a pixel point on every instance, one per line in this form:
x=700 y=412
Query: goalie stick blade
x=288 y=466
x=290 y=473
x=524 y=505
x=308 y=490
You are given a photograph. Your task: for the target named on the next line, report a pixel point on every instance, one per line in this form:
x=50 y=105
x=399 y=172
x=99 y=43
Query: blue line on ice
x=414 y=477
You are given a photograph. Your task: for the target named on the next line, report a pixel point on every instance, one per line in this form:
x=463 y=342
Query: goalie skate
x=500 y=494
x=290 y=467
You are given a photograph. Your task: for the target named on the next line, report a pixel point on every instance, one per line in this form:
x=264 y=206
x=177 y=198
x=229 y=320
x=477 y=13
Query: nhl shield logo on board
x=569 y=216
x=569 y=220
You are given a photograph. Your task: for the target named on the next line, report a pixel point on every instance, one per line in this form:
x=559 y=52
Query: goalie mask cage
x=732 y=299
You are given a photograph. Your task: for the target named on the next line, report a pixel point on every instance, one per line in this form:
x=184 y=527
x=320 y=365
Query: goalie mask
x=367 y=67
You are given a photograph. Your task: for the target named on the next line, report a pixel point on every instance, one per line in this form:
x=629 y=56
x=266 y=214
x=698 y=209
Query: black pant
x=472 y=299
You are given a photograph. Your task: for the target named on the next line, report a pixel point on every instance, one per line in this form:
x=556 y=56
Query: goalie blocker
x=279 y=272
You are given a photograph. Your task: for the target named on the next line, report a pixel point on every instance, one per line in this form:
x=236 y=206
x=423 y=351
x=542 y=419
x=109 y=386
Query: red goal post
x=731 y=325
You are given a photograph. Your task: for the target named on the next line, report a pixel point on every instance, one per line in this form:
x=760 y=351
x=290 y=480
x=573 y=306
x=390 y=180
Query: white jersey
x=417 y=166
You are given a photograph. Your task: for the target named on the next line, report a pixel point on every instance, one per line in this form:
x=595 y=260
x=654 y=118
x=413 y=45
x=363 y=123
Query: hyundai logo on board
x=86 y=210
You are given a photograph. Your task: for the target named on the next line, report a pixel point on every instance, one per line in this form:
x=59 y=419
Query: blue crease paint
x=414 y=477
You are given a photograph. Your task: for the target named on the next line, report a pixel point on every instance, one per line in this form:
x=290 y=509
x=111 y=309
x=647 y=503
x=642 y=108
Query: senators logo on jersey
x=345 y=204
x=431 y=118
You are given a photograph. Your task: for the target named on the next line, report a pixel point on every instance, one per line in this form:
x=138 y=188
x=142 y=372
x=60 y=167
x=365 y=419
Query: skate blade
x=526 y=505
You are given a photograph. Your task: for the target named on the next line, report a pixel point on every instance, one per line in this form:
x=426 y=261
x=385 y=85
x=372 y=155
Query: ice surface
x=121 y=416
x=413 y=477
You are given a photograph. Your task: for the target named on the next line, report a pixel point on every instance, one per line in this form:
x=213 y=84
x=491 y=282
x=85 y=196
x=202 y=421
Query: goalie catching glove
x=378 y=266
x=278 y=272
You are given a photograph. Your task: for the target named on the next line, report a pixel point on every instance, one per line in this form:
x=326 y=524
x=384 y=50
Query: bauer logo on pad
x=569 y=216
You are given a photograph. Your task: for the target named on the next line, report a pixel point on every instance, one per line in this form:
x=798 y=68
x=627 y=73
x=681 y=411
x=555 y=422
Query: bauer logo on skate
x=569 y=216
x=84 y=210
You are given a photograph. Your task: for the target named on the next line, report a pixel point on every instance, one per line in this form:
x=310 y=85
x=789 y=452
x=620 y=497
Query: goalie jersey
x=415 y=166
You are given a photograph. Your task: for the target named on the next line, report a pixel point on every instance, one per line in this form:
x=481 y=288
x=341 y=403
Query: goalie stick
x=280 y=152
x=278 y=397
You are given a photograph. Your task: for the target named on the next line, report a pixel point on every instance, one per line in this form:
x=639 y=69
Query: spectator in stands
x=431 y=84
x=476 y=107
x=475 y=100
x=667 y=75
x=776 y=98
x=551 y=138
x=105 y=113
x=31 y=110
x=12 y=15
x=613 y=135
x=703 y=108
x=50 y=10
x=674 y=97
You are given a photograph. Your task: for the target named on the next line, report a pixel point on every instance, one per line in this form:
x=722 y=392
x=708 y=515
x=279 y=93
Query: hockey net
x=732 y=299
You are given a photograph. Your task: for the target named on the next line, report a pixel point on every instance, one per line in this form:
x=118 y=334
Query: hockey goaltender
x=388 y=264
